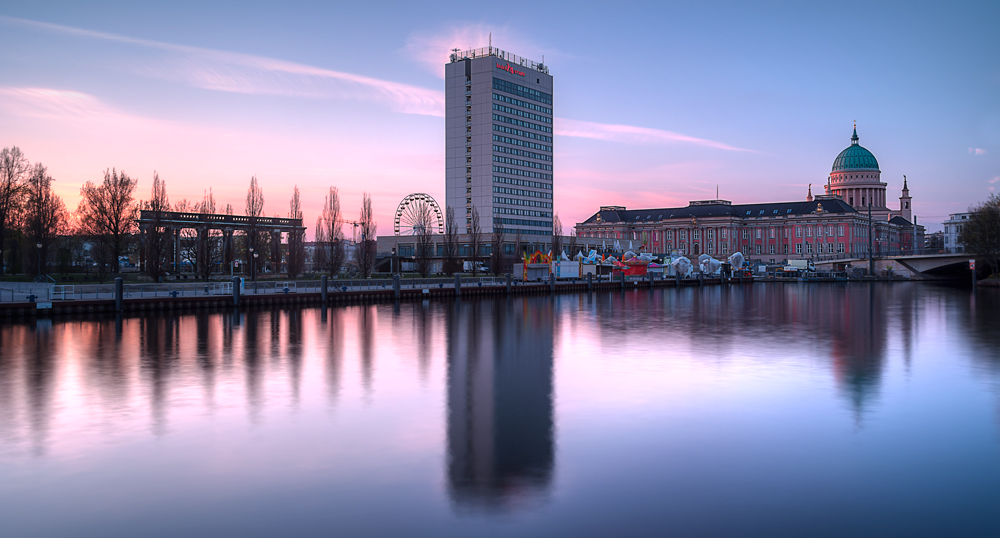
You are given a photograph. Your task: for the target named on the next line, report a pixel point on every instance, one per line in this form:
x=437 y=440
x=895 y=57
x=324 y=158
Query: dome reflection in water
x=788 y=409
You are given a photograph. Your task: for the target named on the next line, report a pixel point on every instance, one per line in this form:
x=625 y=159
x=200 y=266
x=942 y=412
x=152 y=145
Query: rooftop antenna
x=716 y=191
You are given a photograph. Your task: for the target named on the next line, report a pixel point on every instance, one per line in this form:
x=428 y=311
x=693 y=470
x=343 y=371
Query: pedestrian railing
x=63 y=292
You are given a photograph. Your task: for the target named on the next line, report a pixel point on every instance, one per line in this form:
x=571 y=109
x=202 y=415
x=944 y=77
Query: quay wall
x=335 y=297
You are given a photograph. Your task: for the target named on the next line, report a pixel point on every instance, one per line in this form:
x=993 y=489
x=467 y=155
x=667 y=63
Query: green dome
x=855 y=157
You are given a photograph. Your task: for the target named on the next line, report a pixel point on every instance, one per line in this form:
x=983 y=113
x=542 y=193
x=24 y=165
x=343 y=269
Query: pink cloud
x=245 y=73
x=630 y=134
x=977 y=151
x=994 y=180
x=77 y=136
x=432 y=50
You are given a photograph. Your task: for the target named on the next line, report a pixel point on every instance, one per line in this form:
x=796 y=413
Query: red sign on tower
x=509 y=69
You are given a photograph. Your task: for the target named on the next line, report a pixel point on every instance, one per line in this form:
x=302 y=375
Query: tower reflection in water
x=500 y=431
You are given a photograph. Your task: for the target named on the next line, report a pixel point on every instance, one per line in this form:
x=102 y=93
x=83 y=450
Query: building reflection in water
x=499 y=356
x=500 y=411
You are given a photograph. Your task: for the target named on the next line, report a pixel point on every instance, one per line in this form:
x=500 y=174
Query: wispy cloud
x=994 y=180
x=432 y=49
x=244 y=73
x=977 y=151
x=52 y=103
x=630 y=134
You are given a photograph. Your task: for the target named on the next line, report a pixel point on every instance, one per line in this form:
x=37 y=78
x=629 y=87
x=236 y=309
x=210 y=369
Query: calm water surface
x=766 y=410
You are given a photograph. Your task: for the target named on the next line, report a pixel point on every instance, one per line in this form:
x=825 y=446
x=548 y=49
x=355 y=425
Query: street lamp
x=253 y=271
x=392 y=261
x=39 y=246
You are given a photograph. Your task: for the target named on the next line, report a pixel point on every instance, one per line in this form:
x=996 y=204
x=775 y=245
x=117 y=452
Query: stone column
x=276 y=251
x=143 y=238
x=200 y=254
x=177 y=249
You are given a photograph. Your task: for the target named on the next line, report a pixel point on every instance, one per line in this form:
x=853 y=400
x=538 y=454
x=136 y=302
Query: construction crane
x=354 y=236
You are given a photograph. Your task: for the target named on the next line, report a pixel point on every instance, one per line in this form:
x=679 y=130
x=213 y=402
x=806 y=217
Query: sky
x=656 y=104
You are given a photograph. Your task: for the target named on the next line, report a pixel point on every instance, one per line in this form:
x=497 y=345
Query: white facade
x=952 y=227
x=498 y=142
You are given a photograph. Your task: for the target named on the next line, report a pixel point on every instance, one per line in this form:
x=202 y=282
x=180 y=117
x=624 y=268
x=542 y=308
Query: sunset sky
x=656 y=104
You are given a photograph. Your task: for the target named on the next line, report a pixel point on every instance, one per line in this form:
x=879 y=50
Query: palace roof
x=718 y=208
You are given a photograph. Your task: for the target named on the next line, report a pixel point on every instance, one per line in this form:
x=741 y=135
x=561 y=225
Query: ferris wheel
x=416 y=213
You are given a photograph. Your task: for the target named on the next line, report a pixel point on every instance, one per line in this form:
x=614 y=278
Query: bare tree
x=253 y=242
x=157 y=238
x=329 y=253
x=475 y=239
x=981 y=234
x=498 y=258
x=44 y=218
x=518 y=245
x=424 y=225
x=556 y=236
x=108 y=212
x=572 y=245
x=209 y=241
x=296 y=250
x=449 y=264
x=199 y=246
x=187 y=238
x=365 y=253
x=14 y=171
x=425 y=251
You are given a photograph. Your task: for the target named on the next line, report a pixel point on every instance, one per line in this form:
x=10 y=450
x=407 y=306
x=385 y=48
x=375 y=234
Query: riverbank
x=336 y=293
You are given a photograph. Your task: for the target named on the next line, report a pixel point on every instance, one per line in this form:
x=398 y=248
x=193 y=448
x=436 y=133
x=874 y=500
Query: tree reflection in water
x=295 y=405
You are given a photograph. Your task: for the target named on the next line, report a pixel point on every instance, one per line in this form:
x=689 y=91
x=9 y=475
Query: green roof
x=855 y=157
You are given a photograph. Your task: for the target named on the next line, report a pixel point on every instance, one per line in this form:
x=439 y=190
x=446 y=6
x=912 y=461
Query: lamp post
x=39 y=246
x=392 y=261
x=253 y=271
x=871 y=240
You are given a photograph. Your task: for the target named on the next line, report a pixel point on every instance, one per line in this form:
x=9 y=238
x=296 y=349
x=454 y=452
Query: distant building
x=934 y=241
x=832 y=225
x=498 y=142
x=952 y=228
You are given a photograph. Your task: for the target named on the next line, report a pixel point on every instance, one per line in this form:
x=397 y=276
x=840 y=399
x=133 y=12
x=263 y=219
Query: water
x=766 y=410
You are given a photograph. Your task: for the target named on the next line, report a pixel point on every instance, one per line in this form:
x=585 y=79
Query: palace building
x=832 y=225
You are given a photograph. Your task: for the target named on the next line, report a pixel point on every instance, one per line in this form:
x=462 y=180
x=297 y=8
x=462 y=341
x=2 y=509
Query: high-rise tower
x=498 y=142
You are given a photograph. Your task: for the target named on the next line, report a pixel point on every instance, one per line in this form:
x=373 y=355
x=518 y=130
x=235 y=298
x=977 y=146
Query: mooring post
x=590 y=281
x=701 y=278
x=119 y=290
x=622 y=279
x=552 y=282
x=508 y=283
x=650 y=280
x=395 y=286
x=458 y=285
x=322 y=292
x=236 y=291
x=972 y=265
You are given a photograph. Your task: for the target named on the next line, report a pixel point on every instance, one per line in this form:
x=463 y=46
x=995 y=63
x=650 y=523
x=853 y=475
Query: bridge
x=919 y=265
